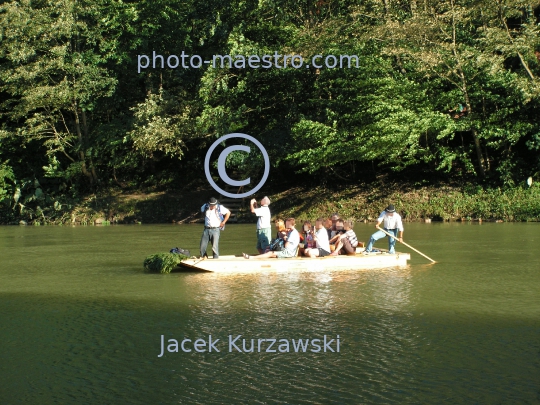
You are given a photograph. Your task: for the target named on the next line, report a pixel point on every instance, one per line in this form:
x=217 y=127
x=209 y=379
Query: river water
x=81 y=323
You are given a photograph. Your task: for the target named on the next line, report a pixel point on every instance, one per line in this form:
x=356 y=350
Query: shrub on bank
x=473 y=203
x=362 y=204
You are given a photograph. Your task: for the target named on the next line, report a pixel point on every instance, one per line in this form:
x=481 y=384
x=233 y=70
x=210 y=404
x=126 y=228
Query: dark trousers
x=210 y=235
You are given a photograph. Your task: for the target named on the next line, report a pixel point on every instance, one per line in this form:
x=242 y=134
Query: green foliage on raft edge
x=162 y=262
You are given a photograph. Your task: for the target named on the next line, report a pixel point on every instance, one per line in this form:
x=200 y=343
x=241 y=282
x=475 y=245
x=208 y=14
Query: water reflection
x=337 y=290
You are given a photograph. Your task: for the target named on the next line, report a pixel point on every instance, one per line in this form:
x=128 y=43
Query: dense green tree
x=54 y=71
x=449 y=86
x=446 y=91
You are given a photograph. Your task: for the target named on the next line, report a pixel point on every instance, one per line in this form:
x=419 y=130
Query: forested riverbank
x=442 y=98
x=361 y=203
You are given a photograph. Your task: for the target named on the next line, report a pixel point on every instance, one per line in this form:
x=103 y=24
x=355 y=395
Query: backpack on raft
x=180 y=251
x=277 y=245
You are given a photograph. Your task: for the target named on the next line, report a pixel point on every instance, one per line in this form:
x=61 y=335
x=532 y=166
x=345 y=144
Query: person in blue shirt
x=292 y=239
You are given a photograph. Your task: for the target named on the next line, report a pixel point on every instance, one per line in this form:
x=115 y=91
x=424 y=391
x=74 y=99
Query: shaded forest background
x=447 y=92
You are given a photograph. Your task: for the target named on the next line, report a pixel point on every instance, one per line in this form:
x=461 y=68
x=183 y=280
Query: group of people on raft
x=327 y=237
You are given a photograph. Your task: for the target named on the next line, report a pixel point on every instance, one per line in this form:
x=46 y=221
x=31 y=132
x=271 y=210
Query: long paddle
x=406 y=244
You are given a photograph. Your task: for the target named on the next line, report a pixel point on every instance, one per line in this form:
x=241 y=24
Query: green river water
x=81 y=323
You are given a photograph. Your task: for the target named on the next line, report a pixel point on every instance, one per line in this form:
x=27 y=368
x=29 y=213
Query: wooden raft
x=237 y=264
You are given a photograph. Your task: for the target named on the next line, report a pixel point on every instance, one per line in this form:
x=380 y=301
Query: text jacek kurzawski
x=238 y=344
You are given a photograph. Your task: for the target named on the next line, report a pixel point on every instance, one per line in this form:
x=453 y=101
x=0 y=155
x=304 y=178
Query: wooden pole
x=406 y=244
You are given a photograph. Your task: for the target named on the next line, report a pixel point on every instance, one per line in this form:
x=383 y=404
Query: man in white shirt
x=215 y=217
x=321 y=240
x=291 y=244
x=391 y=221
x=264 y=230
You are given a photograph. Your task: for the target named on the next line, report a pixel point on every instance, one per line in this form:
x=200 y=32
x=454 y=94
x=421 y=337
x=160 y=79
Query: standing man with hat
x=215 y=217
x=392 y=224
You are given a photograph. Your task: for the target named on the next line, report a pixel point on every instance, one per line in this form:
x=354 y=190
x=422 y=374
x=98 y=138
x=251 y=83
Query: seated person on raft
x=281 y=231
x=292 y=239
x=279 y=242
x=345 y=242
x=334 y=229
x=328 y=226
x=322 y=247
x=307 y=235
x=337 y=230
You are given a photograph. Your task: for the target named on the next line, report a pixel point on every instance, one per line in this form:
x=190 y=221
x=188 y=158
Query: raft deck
x=237 y=264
